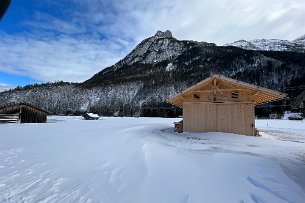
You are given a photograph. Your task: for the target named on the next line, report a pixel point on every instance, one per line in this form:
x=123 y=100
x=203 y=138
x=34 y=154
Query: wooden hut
x=220 y=104
x=91 y=116
x=23 y=113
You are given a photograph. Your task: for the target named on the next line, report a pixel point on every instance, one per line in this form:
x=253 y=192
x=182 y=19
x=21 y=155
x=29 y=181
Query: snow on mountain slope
x=159 y=67
x=142 y=160
x=300 y=40
x=271 y=45
x=162 y=46
x=244 y=44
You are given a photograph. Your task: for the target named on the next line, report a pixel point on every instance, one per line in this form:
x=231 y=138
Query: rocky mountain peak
x=162 y=46
x=166 y=34
x=160 y=66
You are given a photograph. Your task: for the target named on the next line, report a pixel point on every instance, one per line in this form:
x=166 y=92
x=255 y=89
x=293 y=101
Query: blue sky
x=71 y=40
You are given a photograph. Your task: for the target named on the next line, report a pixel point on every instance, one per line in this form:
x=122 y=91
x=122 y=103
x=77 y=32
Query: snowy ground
x=143 y=160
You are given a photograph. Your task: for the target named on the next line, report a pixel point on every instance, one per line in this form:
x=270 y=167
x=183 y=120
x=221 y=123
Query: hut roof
x=23 y=104
x=260 y=94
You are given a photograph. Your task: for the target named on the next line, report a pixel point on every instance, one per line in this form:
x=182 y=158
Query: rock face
x=159 y=67
x=166 y=34
x=162 y=46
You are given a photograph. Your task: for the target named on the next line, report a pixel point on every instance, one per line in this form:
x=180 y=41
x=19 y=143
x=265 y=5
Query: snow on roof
x=93 y=115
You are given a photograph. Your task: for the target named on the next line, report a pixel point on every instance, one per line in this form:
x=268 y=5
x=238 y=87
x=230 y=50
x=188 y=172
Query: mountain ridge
x=301 y=38
x=297 y=45
x=157 y=68
x=156 y=49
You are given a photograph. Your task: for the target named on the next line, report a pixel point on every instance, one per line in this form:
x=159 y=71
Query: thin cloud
x=48 y=23
x=4 y=87
x=79 y=40
x=60 y=58
x=223 y=21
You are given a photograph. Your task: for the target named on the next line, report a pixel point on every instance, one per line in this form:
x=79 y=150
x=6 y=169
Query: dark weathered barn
x=91 y=116
x=23 y=113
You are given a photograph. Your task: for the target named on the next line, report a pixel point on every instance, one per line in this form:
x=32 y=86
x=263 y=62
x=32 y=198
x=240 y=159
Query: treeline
x=38 y=85
x=142 y=89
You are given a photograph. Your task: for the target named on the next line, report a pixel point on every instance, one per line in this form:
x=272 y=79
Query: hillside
x=159 y=67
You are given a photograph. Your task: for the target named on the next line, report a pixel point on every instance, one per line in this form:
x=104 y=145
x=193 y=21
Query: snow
x=162 y=46
x=169 y=67
x=270 y=45
x=286 y=130
x=93 y=115
x=288 y=113
x=300 y=38
x=243 y=44
x=142 y=160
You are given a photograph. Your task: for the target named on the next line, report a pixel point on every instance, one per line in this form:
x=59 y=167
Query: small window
x=196 y=96
x=234 y=94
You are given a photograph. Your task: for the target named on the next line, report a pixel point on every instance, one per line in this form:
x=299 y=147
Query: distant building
x=220 y=104
x=23 y=113
x=91 y=116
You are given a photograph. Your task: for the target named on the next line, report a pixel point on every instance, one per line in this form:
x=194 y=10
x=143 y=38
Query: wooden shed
x=23 y=113
x=221 y=104
x=91 y=116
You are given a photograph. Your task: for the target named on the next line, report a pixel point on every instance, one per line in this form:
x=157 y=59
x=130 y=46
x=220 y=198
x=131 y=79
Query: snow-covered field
x=142 y=160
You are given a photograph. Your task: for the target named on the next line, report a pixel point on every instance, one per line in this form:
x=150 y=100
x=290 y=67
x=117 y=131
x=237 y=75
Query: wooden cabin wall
x=31 y=115
x=223 y=96
x=219 y=117
x=27 y=113
x=10 y=110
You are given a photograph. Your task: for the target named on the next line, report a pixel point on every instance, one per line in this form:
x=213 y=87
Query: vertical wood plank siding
x=27 y=113
x=219 y=117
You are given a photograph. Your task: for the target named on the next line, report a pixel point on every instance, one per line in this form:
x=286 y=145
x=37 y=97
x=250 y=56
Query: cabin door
x=199 y=117
x=213 y=117
x=236 y=118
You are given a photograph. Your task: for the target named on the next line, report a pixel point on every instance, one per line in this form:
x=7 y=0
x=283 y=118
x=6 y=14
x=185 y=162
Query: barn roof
x=23 y=104
x=260 y=94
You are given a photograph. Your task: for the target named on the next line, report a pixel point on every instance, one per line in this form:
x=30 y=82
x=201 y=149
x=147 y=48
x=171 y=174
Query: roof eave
x=277 y=95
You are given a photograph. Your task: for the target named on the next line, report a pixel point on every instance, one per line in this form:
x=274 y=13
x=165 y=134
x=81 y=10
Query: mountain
x=300 y=40
x=159 y=67
x=147 y=59
x=297 y=45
